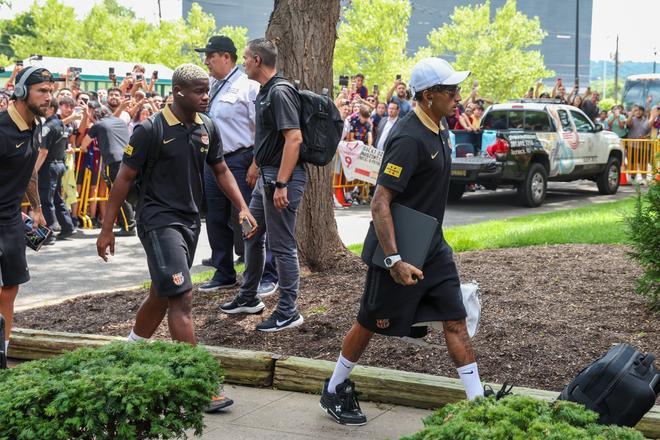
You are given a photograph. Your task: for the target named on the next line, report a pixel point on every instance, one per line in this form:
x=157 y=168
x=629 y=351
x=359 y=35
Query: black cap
x=218 y=43
x=37 y=76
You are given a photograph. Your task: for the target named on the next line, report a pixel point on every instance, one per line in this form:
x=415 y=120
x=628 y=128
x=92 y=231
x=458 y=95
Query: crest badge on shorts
x=382 y=323
x=178 y=278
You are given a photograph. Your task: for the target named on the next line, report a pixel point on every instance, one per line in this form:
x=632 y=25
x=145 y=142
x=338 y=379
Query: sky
x=636 y=21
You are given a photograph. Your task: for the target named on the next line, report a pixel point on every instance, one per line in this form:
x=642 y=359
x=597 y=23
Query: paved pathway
x=272 y=414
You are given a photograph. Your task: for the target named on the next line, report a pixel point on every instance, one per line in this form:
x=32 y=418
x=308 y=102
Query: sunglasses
x=451 y=91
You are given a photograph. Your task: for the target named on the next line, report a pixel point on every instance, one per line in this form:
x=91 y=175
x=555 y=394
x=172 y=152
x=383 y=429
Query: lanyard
x=224 y=81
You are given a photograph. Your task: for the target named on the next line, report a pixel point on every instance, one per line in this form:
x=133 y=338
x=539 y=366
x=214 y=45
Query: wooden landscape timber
x=263 y=369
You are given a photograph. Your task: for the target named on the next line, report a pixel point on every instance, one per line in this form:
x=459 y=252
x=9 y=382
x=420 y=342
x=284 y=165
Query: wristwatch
x=281 y=185
x=391 y=260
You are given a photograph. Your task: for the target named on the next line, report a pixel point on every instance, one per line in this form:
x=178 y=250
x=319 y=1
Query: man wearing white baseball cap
x=414 y=173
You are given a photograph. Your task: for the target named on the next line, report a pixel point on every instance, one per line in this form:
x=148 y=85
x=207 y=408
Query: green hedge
x=518 y=418
x=644 y=232
x=119 y=391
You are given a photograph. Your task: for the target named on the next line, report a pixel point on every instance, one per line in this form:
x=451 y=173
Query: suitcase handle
x=648 y=360
x=655 y=384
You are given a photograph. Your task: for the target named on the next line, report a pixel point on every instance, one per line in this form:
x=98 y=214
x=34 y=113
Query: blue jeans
x=219 y=227
x=50 y=193
x=281 y=228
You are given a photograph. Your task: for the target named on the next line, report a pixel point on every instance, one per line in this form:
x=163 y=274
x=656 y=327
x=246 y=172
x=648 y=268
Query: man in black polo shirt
x=278 y=190
x=112 y=136
x=19 y=141
x=414 y=173
x=51 y=168
x=168 y=217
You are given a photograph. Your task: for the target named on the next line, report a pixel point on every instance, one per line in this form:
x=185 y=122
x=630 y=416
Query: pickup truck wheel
x=608 y=180
x=532 y=190
x=456 y=191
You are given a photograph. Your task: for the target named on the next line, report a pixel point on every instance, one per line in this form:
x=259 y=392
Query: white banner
x=360 y=161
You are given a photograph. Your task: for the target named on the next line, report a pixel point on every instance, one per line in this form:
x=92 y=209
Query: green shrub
x=644 y=232
x=518 y=418
x=119 y=391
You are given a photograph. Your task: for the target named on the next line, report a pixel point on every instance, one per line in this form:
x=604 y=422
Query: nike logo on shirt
x=168 y=141
x=19 y=145
x=434 y=155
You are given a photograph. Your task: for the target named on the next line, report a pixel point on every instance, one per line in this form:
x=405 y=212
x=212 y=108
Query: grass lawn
x=598 y=223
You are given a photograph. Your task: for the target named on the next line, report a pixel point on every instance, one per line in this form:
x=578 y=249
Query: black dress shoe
x=207 y=262
x=125 y=233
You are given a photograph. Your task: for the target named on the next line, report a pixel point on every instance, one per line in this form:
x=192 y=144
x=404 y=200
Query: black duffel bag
x=621 y=386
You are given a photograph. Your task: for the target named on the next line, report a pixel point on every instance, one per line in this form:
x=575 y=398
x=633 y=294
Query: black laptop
x=414 y=232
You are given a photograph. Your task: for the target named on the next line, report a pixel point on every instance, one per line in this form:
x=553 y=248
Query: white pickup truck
x=526 y=144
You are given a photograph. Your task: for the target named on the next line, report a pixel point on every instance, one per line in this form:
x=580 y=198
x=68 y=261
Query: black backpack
x=139 y=189
x=320 y=123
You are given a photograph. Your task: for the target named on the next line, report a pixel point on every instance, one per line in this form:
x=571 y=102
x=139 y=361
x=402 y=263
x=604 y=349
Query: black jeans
x=50 y=193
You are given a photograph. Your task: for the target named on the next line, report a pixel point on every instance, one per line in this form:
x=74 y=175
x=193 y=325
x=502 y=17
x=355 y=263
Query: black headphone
x=21 y=90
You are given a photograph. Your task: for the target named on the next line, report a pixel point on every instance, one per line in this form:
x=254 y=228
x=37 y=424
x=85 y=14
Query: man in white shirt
x=386 y=125
x=231 y=107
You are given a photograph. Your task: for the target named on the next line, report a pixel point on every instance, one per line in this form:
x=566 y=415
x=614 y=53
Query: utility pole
x=577 y=42
x=616 y=70
x=655 y=53
x=160 y=13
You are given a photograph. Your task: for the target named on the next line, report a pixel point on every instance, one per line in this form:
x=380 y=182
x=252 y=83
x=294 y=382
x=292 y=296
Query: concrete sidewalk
x=263 y=413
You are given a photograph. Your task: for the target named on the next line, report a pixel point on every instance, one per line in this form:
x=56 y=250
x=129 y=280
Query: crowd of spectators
x=93 y=119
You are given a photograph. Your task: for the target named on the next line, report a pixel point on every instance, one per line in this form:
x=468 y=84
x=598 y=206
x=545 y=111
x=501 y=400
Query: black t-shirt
x=55 y=139
x=416 y=165
x=176 y=186
x=112 y=135
x=18 y=154
x=277 y=111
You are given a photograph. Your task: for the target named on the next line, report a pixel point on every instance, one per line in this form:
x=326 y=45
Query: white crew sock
x=469 y=374
x=135 y=338
x=343 y=369
x=6 y=347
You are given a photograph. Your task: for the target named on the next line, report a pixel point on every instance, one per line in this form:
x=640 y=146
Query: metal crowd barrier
x=92 y=189
x=642 y=158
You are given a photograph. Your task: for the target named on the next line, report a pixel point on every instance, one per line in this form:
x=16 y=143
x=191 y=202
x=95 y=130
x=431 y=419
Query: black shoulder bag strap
x=152 y=155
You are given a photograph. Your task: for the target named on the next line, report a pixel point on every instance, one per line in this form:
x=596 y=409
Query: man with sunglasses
x=414 y=173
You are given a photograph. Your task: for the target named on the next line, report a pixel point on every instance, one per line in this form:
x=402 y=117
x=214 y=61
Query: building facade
x=558 y=18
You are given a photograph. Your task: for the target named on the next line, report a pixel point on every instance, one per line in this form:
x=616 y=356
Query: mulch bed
x=547 y=311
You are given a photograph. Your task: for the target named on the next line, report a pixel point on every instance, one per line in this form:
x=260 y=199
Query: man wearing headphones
x=20 y=137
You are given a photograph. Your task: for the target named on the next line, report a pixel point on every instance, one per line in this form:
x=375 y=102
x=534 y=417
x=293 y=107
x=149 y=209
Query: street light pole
x=616 y=69
x=577 y=42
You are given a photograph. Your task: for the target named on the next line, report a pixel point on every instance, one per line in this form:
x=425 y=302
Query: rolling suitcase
x=621 y=386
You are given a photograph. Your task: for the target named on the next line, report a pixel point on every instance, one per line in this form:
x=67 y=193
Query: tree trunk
x=305 y=32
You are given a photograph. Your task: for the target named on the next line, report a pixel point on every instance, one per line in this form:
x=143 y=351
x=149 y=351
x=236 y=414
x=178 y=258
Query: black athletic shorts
x=391 y=309
x=13 y=264
x=170 y=253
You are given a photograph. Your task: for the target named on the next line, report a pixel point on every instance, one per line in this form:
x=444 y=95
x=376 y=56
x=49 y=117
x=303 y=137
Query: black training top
x=112 y=135
x=416 y=165
x=274 y=113
x=176 y=186
x=55 y=139
x=18 y=153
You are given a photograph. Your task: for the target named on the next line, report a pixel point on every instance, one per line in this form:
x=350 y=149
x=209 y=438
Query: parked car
x=525 y=144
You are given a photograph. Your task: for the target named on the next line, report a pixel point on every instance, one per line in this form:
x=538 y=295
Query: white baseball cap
x=435 y=71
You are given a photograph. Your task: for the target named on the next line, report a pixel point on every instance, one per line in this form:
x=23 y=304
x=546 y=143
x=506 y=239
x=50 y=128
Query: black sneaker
x=343 y=406
x=240 y=305
x=503 y=392
x=126 y=232
x=66 y=235
x=278 y=322
x=215 y=286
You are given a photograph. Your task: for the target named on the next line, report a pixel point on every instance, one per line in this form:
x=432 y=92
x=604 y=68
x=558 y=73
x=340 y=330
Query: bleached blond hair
x=187 y=73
